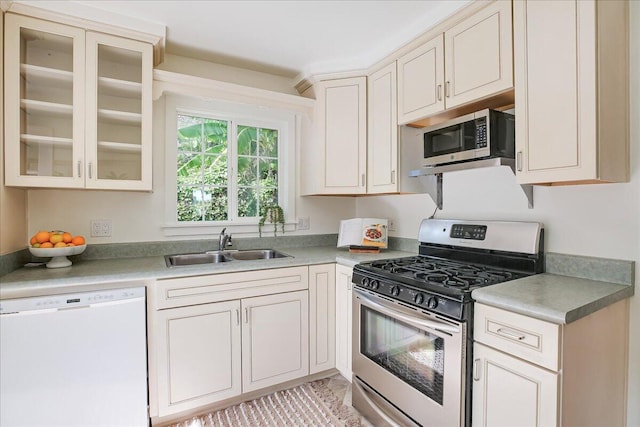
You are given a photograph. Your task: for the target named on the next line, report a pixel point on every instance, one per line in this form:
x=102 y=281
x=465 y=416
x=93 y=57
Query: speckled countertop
x=116 y=272
x=552 y=297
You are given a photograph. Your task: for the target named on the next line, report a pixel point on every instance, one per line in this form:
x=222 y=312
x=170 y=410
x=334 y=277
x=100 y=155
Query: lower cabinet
x=343 y=320
x=322 y=317
x=240 y=332
x=531 y=372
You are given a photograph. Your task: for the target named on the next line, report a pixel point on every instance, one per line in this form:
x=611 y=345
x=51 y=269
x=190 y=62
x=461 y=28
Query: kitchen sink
x=215 y=257
x=194 y=259
x=255 y=254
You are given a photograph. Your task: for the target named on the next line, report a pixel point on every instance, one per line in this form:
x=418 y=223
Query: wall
x=13 y=208
x=593 y=220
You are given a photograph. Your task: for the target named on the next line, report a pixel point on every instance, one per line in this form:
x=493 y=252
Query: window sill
x=208 y=230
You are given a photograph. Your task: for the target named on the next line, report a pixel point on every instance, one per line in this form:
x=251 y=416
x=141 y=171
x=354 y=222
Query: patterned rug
x=316 y=403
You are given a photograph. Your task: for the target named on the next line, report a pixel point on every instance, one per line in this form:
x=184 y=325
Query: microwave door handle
x=418 y=323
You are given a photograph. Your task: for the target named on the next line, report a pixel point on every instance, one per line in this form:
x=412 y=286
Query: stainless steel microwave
x=483 y=134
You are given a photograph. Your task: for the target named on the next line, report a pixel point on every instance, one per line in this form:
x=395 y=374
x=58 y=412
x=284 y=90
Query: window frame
x=237 y=115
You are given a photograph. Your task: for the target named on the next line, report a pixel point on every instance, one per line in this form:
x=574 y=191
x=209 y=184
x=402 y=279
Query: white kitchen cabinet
x=322 y=317
x=344 y=324
x=214 y=337
x=336 y=162
x=572 y=81
x=275 y=339
x=382 y=141
x=77 y=107
x=472 y=60
x=530 y=372
x=200 y=350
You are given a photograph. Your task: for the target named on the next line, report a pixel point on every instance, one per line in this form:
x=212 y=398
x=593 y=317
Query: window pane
x=215 y=170
x=268 y=142
x=215 y=204
x=189 y=168
x=247 y=202
x=269 y=172
x=189 y=133
x=247 y=171
x=215 y=136
x=188 y=209
x=247 y=141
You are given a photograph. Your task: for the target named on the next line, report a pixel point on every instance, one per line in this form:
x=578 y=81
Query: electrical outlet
x=101 y=228
x=391 y=223
x=303 y=223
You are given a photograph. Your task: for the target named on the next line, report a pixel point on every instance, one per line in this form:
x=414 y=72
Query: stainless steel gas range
x=413 y=318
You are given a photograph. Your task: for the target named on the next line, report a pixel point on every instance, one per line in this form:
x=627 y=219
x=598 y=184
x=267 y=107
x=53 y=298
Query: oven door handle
x=418 y=323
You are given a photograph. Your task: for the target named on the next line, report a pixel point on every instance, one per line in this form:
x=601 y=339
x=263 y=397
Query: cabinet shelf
x=31 y=105
x=45 y=74
x=114 y=116
x=432 y=176
x=119 y=147
x=119 y=87
x=48 y=140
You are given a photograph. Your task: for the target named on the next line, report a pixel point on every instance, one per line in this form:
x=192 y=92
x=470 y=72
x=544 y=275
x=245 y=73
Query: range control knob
x=365 y=282
x=395 y=290
x=418 y=299
x=374 y=284
x=432 y=302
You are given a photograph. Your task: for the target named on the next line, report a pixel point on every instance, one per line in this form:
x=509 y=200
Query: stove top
x=455 y=257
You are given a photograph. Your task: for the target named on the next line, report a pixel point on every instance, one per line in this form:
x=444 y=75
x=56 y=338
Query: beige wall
x=13 y=209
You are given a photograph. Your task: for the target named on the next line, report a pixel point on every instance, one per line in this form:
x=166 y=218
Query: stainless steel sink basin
x=215 y=257
x=255 y=254
x=194 y=259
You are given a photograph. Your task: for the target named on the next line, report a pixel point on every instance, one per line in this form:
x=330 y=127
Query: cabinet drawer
x=530 y=339
x=224 y=287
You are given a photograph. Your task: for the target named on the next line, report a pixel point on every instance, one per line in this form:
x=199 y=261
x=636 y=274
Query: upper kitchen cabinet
x=471 y=61
x=77 y=107
x=336 y=163
x=382 y=144
x=572 y=85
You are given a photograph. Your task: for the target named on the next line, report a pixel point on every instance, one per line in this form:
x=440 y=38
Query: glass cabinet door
x=44 y=103
x=119 y=75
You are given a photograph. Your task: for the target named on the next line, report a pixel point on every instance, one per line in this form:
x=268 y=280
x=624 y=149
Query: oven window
x=413 y=355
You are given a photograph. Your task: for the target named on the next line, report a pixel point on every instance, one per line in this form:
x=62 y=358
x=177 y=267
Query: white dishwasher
x=74 y=360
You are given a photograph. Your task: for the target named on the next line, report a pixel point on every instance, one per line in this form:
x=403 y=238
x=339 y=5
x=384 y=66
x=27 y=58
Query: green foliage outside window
x=203 y=163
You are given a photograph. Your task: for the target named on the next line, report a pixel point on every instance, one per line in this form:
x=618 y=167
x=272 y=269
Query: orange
x=46 y=245
x=56 y=238
x=78 y=240
x=42 y=236
x=33 y=240
x=60 y=245
x=66 y=237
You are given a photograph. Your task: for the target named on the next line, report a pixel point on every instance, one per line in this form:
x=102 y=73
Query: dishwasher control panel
x=64 y=301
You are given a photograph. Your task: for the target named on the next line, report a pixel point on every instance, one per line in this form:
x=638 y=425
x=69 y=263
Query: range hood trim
x=432 y=178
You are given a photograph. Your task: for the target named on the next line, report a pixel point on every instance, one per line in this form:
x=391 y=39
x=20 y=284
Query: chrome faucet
x=223 y=240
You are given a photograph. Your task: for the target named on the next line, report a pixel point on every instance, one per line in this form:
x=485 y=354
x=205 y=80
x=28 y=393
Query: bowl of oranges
x=58 y=245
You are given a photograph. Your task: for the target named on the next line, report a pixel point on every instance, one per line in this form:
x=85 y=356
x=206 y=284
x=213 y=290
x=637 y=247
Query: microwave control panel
x=481 y=132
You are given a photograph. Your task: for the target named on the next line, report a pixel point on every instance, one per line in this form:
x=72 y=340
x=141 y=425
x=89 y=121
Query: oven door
x=408 y=365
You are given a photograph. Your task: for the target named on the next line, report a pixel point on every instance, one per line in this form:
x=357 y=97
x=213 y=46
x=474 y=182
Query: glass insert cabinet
x=78 y=107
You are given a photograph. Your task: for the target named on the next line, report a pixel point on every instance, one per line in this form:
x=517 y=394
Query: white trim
x=236 y=114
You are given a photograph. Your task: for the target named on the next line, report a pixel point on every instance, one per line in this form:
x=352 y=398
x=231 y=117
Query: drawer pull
x=510 y=334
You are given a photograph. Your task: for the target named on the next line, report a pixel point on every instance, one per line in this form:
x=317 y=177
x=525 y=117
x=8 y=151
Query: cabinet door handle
x=447 y=89
x=510 y=334
x=476 y=370
x=79 y=169
x=519 y=161
x=90 y=169
x=363 y=177
x=393 y=177
x=237 y=317
x=246 y=315
x=439 y=90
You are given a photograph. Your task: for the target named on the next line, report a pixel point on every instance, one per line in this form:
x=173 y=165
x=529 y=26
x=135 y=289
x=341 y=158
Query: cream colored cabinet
x=201 y=345
x=275 y=334
x=344 y=325
x=382 y=142
x=77 y=107
x=337 y=162
x=217 y=336
x=530 y=372
x=572 y=81
x=322 y=317
x=470 y=61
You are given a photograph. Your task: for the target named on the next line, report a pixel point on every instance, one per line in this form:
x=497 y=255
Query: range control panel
x=468 y=231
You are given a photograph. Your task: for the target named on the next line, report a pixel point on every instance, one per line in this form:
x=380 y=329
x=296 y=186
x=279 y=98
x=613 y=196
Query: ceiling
x=287 y=38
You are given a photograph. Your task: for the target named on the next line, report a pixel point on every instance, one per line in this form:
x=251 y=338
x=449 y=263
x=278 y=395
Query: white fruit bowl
x=58 y=255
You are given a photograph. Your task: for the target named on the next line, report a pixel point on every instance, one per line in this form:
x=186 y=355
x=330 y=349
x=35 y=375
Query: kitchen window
x=225 y=163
